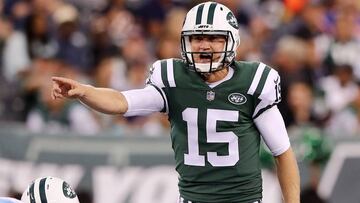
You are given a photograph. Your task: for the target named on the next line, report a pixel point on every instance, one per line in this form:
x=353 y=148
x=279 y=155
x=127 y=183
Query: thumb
x=76 y=92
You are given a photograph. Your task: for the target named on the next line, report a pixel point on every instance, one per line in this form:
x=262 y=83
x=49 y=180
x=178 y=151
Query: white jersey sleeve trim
x=268 y=93
x=155 y=77
x=143 y=101
x=170 y=72
x=256 y=79
x=272 y=128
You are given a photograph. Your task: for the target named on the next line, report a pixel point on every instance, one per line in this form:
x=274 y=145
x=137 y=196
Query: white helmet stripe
x=205 y=14
x=37 y=192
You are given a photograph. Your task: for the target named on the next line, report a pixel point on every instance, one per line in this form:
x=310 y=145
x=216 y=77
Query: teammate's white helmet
x=49 y=190
x=210 y=18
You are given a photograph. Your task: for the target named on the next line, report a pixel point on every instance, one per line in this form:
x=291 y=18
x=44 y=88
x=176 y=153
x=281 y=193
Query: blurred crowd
x=313 y=44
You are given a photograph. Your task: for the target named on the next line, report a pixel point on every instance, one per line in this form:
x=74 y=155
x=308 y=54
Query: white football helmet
x=49 y=190
x=210 y=18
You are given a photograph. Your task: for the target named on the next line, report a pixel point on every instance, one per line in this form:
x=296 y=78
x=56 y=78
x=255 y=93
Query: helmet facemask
x=225 y=59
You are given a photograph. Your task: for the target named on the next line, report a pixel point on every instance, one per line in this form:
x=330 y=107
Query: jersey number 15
x=193 y=157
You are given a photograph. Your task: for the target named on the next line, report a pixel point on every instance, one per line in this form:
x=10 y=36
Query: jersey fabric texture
x=213 y=133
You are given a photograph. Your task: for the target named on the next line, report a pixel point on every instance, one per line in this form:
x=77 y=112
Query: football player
x=218 y=109
x=49 y=190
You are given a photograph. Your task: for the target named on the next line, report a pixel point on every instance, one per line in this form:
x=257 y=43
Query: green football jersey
x=214 y=137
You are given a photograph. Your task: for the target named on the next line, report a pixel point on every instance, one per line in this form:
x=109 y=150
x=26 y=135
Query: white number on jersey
x=193 y=158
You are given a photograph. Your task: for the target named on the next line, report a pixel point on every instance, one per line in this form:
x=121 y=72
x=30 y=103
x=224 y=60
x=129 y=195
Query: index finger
x=64 y=80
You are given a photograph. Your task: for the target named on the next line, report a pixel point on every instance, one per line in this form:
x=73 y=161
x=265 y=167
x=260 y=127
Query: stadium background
x=313 y=44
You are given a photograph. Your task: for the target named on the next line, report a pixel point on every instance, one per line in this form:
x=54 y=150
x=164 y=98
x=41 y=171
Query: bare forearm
x=104 y=100
x=288 y=175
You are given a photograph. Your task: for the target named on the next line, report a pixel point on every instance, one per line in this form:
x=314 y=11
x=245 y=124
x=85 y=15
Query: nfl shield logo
x=210 y=95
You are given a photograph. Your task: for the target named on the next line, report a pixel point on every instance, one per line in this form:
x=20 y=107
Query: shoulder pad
x=162 y=73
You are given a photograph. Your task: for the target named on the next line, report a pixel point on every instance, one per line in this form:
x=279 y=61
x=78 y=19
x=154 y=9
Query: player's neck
x=215 y=76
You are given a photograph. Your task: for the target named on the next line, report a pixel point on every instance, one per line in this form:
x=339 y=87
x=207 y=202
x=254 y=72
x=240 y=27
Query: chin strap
x=207 y=67
x=206 y=75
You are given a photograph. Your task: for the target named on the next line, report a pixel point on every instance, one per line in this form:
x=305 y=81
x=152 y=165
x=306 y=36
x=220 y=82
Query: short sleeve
x=154 y=77
x=267 y=91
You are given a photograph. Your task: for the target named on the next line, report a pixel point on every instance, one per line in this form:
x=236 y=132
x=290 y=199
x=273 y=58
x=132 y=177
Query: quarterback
x=218 y=108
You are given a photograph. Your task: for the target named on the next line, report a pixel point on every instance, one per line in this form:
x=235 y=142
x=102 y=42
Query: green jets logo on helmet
x=232 y=20
x=68 y=191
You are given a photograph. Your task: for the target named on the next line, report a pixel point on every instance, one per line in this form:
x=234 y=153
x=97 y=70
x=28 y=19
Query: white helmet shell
x=49 y=190
x=210 y=18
